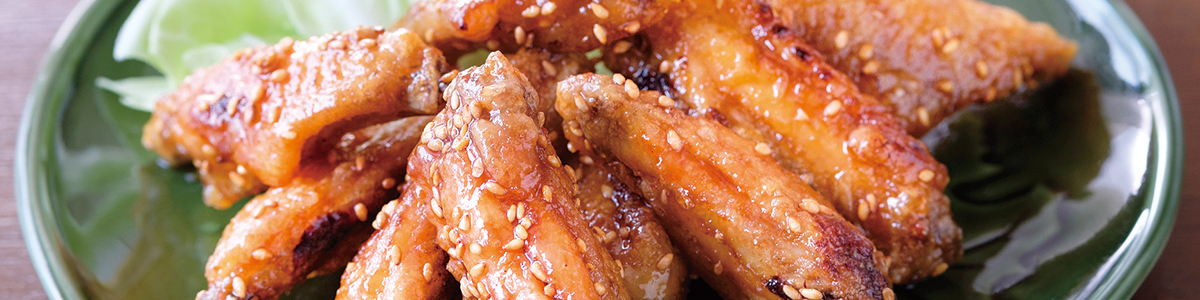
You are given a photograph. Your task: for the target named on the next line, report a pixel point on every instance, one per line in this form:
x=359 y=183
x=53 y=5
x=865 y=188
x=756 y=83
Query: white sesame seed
x=600 y=289
x=841 y=39
x=791 y=292
x=793 y=225
x=388 y=183
x=833 y=108
x=801 y=115
x=981 y=69
x=664 y=67
x=582 y=246
x=549 y=290
x=514 y=244
x=601 y=33
x=888 y=294
x=512 y=213
x=665 y=101
x=718 y=268
x=866 y=51
x=810 y=205
x=537 y=271
x=941 y=268
x=475 y=248
x=606 y=190
x=762 y=148
x=950 y=46
x=587 y=160
x=360 y=211
x=548 y=8
x=519 y=35
x=531 y=11
x=549 y=68
x=379 y=219
x=618 y=78
x=260 y=254
x=239 y=287
x=621 y=47
x=811 y=294
x=520 y=232
x=946 y=86
x=599 y=11
x=923 y=116
x=665 y=261
x=864 y=210
x=554 y=160
x=464 y=223
x=871 y=67
x=546 y=193
x=521 y=209
x=632 y=27
x=279 y=75
x=427 y=271
x=437 y=209
x=674 y=140
x=632 y=90
x=289 y=135
x=495 y=188
x=477 y=270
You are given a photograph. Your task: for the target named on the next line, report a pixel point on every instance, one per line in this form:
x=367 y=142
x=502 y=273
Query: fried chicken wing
x=560 y=26
x=544 y=70
x=633 y=236
x=927 y=59
x=773 y=89
x=502 y=199
x=281 y=236
x=753 y=230
x=246 y=123
x=401 y=261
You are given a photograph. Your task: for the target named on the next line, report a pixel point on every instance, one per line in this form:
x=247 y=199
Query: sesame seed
x=549 y=68
x=475 y=248
x=664 y=67
x=337 y=45
x=941 y=268
x=981 y=69
x=621 y=47
x=548 y=8
x=260 y=254
x=549 y=290
x=718 y=269
x=495 y=188
x=810 y=205
x=923 y=116
x=477 y=270
x=793 y=225
x=665 y=261
x=581 y=105
x=665 y=101
x=379 y=218
x=582 y=246
x=632 y=90
x=606 y=190
x=946 y=86
x=600 y=289
x=811 y=294
x=938 y=38
x=521 y=233
x=801 y=115
x=950 y=46
x=888 y=294
x=360 y=162
x=512 y=213
x=926 y=175
x=427 y=271
x=608 y=237
x=674 y=140
x=437 y=209
x=289 y=135
x=618 y=78
x=236 y=179
x=600 y=11
x=514 y=244
x=538 y=272
x=279 y=75
x=833 y=108
x=388 y=183
x=841 y=39
x=461 y=143
x=519 y=35
x=587 y=160
x=864 y=210
x=632 y=27
x=571 y=171
x=360 y=211
x=521 y=209
x=762 y=148
x=232 y=106
x=239 y=287
x=269 y=203
x=531 y=11
x=367 y=43
x=554 y=160
x=866 y=51
x=601 y=33
x=871 y=67
x=464 y=223
x=791 y=292
x=448 y=77
x=546 y=193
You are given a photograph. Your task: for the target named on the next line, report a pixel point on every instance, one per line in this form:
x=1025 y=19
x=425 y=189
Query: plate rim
x=43 y=238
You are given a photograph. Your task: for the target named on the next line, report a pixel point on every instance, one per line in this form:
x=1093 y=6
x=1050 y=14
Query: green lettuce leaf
x=177 y=37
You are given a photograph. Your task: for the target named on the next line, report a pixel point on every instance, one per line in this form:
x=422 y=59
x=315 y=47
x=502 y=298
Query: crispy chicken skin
x=753 y=229
x=502 y=199
x=560 y=26
x=633 y=235
x=544 y=70
x=246 y=123
x=771 y=88
x=281 y=236
x=401 y=261
x=927 y=59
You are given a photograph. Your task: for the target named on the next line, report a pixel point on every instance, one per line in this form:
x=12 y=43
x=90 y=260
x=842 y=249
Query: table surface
x=27 y=26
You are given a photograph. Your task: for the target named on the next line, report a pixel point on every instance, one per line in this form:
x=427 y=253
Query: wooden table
x=27 y=26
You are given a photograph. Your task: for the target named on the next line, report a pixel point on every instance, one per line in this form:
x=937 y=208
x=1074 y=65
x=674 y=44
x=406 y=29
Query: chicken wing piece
x=771 y=88
x=544 y=70
x=633 y=236
x=401 y=261
x=502 y=199
x=560 y=26
x=251 y=119
x=927 y=59
x=281 y=236
x=753 y=230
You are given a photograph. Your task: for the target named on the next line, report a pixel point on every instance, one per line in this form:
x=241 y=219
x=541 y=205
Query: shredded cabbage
x=178 y=36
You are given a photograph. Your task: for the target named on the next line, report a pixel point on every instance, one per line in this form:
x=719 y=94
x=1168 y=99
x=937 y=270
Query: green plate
x=1067 y=192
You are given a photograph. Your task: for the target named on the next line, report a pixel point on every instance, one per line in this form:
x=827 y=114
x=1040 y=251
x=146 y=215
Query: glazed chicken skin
x=753 y=229
x=401 y=260
x=560 y=26
x=503 y=201
x=927 y=59
x=544 y=70
x=650 y=265
x=283 y=235
x=246 y=123
x=771 y=88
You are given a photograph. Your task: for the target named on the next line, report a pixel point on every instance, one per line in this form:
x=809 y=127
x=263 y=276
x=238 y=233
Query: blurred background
x=28 y=26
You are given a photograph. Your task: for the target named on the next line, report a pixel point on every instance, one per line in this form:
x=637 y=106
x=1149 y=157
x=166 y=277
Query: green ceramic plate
x=1068 y=192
